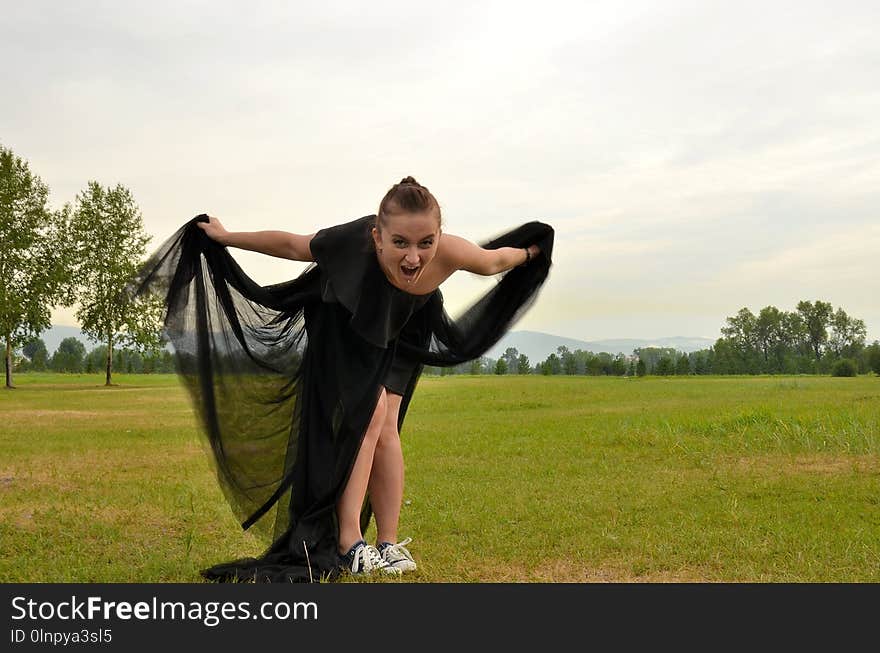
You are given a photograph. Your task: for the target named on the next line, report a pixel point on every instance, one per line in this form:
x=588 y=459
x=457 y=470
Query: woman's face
x=408 y=242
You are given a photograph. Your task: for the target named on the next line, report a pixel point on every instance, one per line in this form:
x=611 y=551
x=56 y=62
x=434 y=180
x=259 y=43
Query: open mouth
x=408 y=272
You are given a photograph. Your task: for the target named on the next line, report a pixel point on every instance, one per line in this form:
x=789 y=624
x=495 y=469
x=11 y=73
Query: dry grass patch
x=573 y=571
x=796 y=464
x=31 y=413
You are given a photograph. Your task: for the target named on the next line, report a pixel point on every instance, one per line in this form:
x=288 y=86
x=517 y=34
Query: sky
x=693 y=158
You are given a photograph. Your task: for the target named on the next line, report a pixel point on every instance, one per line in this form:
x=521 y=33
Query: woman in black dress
x=303 y=386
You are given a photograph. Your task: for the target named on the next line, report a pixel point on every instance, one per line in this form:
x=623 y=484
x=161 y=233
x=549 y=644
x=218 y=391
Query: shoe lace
x=367 y=558
x=398 y=551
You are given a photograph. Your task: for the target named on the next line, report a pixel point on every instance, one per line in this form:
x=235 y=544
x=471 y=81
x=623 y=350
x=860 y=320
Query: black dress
x=286 y=377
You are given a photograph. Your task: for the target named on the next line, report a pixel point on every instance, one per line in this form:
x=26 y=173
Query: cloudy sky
x=693 y=157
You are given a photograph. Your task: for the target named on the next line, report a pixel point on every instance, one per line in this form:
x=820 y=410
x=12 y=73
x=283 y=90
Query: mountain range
x=538 y=345
x=534 y=344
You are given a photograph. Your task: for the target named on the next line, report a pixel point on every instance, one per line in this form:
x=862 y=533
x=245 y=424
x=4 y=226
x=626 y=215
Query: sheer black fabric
x=286 y=377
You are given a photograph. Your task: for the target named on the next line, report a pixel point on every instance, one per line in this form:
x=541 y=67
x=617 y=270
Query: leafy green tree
x=641 y=368
x=592 y=364
x=96 y=359
x=741 y=331
x=552 y=365
x=665 y=367
x=523 y=366
x=652 y=355
x=816 y=318
x=701 y=362
x=34 y=271
x=511 y=356
x=38 y=355
x=131 y=361
x=618 y=365
x=501 y=366
x=476 y=366
x=107 y=228
x=576 y=362
x=568 y=360
x=682 y=365
x=848 y=334
x=794 y=331
x=161 y=362
x=606 y=363
x=874 y=357
x=69 y=357
x=724 y=358
x=768 y=336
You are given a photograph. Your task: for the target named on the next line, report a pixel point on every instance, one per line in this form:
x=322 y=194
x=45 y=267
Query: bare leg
x=386 y=478
x=348 y=508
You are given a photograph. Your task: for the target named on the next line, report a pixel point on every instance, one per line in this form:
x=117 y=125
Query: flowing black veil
x=285 y=377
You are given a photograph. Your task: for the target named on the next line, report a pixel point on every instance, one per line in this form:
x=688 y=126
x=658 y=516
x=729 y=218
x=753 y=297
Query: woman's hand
x=273 y=243
x=534 y=250
x=215 y=230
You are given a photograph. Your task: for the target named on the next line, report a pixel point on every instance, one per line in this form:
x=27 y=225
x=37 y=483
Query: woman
x=303 y=386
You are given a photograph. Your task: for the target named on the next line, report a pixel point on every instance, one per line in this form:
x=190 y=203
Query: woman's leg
x=348 y=508
x=386 y=478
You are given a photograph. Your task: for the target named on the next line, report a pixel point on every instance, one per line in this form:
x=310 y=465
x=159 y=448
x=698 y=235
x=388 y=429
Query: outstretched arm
x=465 y=255
x=274 y=243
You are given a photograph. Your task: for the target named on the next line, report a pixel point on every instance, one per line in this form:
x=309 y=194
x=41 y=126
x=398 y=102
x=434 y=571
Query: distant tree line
x=563 y=361
x=71 y=356
x=813 y=339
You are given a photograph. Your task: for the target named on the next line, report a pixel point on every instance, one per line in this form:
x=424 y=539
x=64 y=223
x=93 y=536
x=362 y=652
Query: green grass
x=766 y=479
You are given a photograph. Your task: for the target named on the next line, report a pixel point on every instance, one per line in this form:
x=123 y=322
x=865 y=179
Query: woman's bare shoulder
x=450 y=247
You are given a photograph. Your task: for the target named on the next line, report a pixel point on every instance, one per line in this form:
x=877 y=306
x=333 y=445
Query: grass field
x=577 y=479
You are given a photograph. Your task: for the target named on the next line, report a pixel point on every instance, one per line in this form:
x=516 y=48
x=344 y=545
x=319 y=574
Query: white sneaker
x=397 y=556
x=363 y=559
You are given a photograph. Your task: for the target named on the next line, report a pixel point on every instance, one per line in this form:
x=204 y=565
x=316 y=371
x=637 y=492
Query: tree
x=794 y=334
x=110 y=242
x=665 y=367
x=741 y=332
x=682 y=365
x=552 y=365
x=847 y=335
x=618 y=365
x=523 y=366
x=69 y=357
x=874 y=357
x=651 y=356
x=768 y=335
x=701 y=362
x=816 y=318
x=641 y=369
x=38 y=355
x=568 y=361
x=511 y=357
x=130 y=361
x=33 y=255
x=501 y=366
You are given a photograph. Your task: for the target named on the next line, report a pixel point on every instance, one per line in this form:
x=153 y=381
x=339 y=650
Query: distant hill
x=534 y=344
x=538 y=346
x=55 y=334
